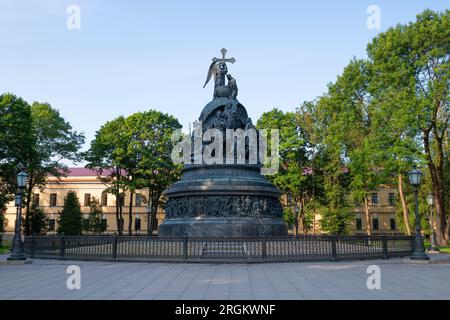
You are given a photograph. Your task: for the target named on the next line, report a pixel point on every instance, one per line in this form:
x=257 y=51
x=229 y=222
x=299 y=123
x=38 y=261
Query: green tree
x=151 y=145
x=345 y=130
x=333 y=204
x=95 y=219
x=288 y=216
x=16 y=143
x=70 y=219
x=135 y=152
x=414 y=59
x=38 y=221
x=293 y=158
x=54 y=140
x=107 y=156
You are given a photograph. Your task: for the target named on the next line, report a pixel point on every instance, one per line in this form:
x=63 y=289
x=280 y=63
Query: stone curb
x=14 y=262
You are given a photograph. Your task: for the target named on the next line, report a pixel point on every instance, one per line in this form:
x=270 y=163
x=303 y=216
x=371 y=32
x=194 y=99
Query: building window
x=51 y=225
x=358 y=224
x=137 y=224
x=36 y=199
x=87 y=199
x=104 y=198
x=53 y=200
x=391 y=199
x=138 y=200
x=393 y=224
x=374 y=199
x=375 y=224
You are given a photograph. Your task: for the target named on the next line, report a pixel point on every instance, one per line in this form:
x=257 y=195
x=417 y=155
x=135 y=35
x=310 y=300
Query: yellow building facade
x=382 y=213
x=85 y=183
x=382 y=209
x=382 y=206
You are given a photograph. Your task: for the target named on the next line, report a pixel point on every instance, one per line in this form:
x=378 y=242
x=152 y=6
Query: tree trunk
x=314 y=222
x=440 y=180
x=367 y=215
x=438 y=188
x=117 y=213
x=296 y=217
x=149 y=213
x=154 y=225
x=302 y=215
x=404 y=205
x=121 y=215
x=130 y=214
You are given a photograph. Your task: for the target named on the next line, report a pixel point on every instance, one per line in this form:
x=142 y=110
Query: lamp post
x=415 y=177
x=17 y=252
x=430 y=200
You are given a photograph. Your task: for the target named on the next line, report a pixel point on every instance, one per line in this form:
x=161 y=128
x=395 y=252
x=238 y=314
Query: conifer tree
x=70 y=221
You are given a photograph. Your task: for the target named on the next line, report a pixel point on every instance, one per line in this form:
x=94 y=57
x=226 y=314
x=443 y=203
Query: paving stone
x=46 y=279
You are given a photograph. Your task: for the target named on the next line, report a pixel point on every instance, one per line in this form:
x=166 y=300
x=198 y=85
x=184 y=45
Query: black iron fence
x=210 y=249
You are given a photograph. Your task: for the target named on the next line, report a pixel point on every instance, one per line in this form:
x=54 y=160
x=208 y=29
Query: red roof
x=85 y=172
x=81 y=172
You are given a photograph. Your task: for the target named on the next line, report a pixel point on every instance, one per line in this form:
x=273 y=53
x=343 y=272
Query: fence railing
x=223 y=249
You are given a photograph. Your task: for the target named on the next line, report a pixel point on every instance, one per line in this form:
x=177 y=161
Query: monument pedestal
x=223 y=227
x=223 y=200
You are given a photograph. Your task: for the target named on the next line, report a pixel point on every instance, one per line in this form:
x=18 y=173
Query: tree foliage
x=94 y=223
x=38 y=221
x=35 y=139
x=411 y=69
x=70 y=218
x=16 y=143
x=134 y=152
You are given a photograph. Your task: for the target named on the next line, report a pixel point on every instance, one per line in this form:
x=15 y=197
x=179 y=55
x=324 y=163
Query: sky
x=130 y=56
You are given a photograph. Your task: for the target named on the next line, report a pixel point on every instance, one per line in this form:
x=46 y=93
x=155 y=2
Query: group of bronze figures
x=223 y=206
x=219 y=70
x=231 y=116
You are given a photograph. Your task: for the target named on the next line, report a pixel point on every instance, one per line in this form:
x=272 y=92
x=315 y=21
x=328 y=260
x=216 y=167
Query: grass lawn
x=6 y=247
x=445 y=249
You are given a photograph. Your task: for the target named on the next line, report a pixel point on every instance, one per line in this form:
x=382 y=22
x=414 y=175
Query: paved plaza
x=46 y=279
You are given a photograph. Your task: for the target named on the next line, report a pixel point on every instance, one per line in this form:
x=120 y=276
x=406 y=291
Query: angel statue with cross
x=219 y=70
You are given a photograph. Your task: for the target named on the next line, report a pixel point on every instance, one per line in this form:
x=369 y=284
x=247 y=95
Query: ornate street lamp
x=430 y=200
x=17 y=252
x=415 y=177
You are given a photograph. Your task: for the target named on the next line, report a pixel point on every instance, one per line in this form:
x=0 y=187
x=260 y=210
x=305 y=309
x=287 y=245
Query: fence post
x=264 y=248
x=114 y=247
x=62 y=246
x=333 y=249
x=32 y=246
x=385 y=247
x=185 y=246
